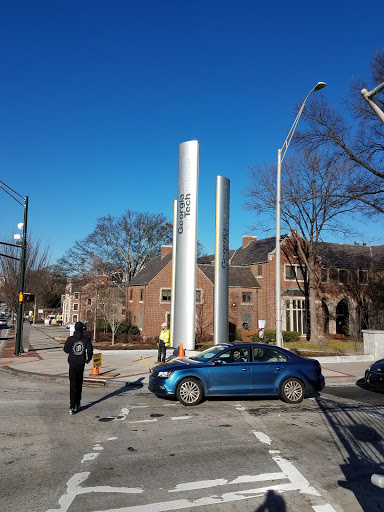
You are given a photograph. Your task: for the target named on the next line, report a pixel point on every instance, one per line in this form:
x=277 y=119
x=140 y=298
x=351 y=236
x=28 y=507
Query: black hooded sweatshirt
x=78 y=347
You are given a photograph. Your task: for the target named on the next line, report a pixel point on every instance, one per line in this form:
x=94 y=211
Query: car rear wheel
x=292 y=391
x=189 y=391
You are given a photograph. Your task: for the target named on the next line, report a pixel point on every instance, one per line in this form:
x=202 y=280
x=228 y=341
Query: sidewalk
x=46 y=361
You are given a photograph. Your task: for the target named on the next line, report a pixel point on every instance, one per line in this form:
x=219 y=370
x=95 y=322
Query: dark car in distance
x=237 y=369
x=374 y=375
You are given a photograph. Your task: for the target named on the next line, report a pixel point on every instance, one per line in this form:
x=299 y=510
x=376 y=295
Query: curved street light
x=280 y=157
x=368 y=95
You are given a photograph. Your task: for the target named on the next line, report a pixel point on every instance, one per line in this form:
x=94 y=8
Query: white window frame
x=76 y=306
x=295 y=314
x=246 y=303
x=294 y=267
x=161 y=295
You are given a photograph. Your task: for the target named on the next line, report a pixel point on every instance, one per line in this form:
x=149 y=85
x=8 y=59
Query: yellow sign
x=96 y=360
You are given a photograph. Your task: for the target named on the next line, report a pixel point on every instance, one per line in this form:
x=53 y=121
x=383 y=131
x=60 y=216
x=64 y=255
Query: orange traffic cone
x=95 y=370
x=181 y=350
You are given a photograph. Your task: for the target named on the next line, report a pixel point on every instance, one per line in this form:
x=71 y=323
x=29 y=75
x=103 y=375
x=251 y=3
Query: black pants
x=161 y=353
x=76 y=374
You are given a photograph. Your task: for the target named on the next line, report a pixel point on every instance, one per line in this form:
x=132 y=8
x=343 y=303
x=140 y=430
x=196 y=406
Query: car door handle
x=278 y=368
x=245 y=369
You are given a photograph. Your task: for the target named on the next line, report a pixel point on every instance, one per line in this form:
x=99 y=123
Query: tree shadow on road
x=358 y=433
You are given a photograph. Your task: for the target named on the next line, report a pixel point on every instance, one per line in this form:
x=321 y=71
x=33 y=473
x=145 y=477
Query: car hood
x=177 y=363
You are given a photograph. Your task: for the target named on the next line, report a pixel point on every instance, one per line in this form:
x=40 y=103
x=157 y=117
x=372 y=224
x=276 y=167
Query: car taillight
x=318 y=368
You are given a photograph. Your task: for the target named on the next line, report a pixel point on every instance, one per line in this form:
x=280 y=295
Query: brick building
x=82 y=302
x=343 y=275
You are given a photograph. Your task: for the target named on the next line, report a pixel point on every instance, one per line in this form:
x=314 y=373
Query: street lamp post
x=368 y=95
x=22 y=260
x=280 y=157
x=20 y=313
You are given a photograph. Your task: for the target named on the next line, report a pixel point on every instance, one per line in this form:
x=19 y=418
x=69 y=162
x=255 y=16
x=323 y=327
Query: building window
x=343 y=276
x=89 y=302
x=131 y=294
x=294 y=273
x=198 y=296
x=140 y=326
x=296 y=315
x=259 y=271
x=247 y=319
x=77 y=295
x=246 y=298
x=75 y=307
x=74 y=318
x=141 y=294
x=363 y=276
x=165 y=295
x=324 y=275
x=123 y=312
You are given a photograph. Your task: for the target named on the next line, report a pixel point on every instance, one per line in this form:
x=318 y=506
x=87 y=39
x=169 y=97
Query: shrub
x=238 y=335
x=270 y=336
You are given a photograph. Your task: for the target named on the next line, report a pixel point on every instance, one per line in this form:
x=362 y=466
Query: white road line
x=324 y=508
x=263 y=438
x=205 y=484
x=89 y=456
x=175 y=418
x=74 y=490
x=143 y=421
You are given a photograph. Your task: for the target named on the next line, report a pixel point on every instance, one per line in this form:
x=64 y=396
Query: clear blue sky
x=97 y=95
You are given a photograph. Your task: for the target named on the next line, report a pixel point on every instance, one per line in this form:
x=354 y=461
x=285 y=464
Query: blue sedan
x=238 y=369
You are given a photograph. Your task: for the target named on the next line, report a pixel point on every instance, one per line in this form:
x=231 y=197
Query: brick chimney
x=165 y=249
x=247 y=239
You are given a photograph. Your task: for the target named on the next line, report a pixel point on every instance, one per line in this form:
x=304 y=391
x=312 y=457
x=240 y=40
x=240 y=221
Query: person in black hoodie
x=80 y=350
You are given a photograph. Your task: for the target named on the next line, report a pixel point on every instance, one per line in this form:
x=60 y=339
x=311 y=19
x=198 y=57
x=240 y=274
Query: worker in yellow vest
x=163 y=343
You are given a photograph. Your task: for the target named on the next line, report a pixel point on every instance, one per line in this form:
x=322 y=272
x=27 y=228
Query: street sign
x=96 y=360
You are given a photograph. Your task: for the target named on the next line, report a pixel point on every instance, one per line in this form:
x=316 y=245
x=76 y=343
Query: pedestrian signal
x=28 y=297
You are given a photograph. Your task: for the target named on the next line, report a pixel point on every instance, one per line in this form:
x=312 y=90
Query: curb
x=58 y=378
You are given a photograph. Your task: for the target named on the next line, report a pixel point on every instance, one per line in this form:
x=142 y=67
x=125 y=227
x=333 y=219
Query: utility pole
x=20 y=308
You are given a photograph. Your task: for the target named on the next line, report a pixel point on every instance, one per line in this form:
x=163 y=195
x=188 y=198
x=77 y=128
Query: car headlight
x=165 y=375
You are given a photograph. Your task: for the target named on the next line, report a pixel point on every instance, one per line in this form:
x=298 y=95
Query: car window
x=207 y=354
x=234 y=355
x=239 y=355
x=225 y=357
x=264 y=355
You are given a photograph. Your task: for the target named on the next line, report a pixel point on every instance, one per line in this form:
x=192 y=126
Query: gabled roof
x=255 y=252
x=350 y=256
x=150 y=271
x=239 y=277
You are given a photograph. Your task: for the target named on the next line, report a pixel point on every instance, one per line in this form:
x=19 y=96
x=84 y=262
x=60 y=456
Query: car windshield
x=206 y=355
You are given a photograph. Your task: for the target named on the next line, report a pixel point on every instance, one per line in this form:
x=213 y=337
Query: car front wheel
x=292 y=391
x=189 y=391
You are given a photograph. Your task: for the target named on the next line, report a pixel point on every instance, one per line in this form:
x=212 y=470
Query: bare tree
x=113 y=299
x=309 y=206
x=119 y=246
x=359 y=144
x=37 y=272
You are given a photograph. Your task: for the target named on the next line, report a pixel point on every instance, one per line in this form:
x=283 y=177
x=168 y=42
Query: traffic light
x=28 y=297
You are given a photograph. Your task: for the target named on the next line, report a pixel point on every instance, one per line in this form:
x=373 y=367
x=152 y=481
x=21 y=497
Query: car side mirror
x=217 y=362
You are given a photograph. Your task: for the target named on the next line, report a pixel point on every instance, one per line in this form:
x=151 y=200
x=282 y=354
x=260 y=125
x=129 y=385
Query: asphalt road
x=129 y=451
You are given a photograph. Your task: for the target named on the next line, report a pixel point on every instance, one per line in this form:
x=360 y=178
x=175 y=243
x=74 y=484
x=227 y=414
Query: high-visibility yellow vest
x=164 y=335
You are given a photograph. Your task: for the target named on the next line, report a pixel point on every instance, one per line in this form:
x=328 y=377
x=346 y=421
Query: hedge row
x=270 y=336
